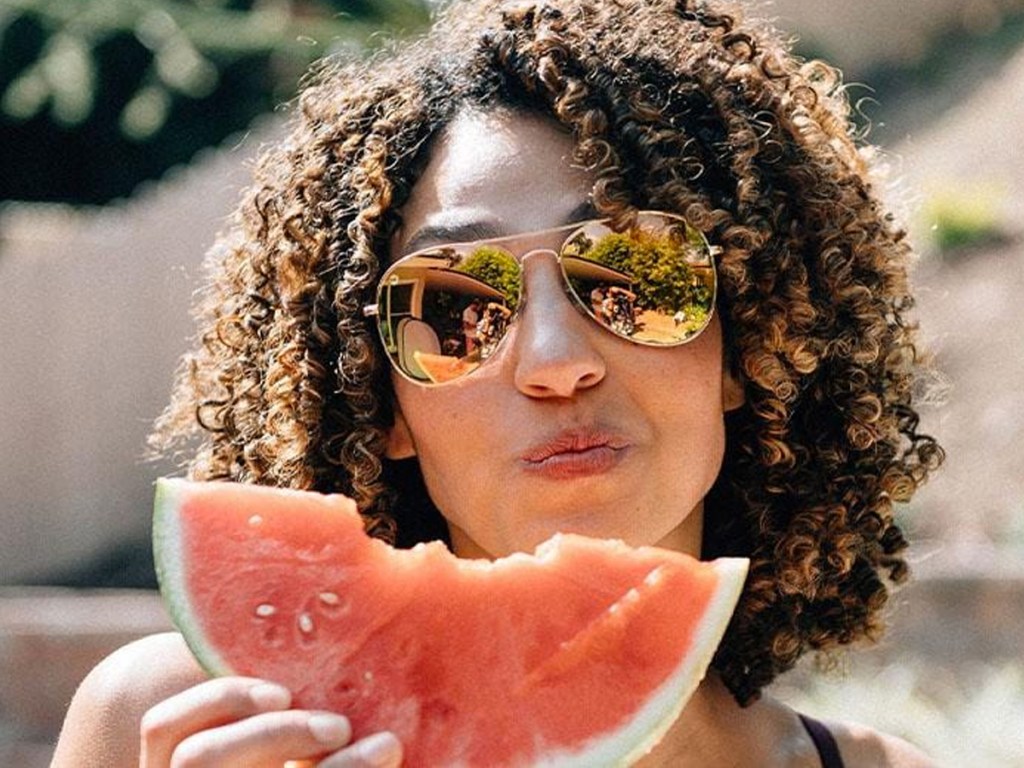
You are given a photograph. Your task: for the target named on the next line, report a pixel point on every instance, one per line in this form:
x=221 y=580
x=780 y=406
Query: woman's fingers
x=381 y=750
x=207 y=705
x=245 y=721
x=264 y=741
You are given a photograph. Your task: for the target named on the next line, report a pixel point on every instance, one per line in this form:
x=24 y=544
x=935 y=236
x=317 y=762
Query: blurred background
x=126 y=127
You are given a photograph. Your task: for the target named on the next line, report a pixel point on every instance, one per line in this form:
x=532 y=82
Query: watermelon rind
x=170 y=573
x=626 y=745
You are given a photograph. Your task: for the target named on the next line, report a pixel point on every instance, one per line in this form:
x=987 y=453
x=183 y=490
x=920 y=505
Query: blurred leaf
x=182 y=67
x=963 y=218
x=146 y=113
x=26 y=95
x=69 y=70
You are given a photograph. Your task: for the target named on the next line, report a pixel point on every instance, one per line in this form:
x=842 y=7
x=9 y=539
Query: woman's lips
x=575 y=454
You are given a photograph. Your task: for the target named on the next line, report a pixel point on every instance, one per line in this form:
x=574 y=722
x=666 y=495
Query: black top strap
x=824 y=742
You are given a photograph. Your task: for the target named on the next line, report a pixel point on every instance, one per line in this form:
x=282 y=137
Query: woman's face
x=566 y=427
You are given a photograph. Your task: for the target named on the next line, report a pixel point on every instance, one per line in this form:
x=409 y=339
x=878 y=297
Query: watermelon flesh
x=442 y=368
x=581 y=654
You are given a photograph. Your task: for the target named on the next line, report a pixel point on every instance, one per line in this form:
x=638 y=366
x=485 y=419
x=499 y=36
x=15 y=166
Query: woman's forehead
x=491 y=173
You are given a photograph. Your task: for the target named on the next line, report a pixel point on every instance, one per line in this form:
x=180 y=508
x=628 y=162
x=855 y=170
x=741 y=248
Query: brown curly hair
x=682 y=106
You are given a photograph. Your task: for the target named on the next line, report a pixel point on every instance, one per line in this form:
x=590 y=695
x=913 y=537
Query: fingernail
x=269 y=697
x=332 y=730
x=381 y=749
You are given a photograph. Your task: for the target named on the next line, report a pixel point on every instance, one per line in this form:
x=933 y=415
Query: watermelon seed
x=265 y=610
x=305 y=623
x=329 y=604
x=255 y=520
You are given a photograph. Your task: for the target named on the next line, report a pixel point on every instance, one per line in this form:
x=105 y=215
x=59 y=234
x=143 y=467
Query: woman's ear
x=733 y=395
x=400 y=444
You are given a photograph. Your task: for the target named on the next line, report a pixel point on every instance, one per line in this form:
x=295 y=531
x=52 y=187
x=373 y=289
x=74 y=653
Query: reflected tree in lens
x=496 y=268
x=667 y=271
x=578 y=245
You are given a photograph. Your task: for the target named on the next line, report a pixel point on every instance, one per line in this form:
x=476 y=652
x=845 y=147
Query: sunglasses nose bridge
x=528 y=267
x=533 y=252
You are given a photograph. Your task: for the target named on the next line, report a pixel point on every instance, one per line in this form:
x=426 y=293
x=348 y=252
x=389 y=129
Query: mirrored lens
x=443 y=312
x=653 y=284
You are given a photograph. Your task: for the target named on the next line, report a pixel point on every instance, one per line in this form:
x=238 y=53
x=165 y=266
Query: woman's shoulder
x=860 y=745
x=102 y=722
x=144 y=671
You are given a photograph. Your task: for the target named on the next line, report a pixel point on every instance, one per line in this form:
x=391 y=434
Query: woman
x=776 y=423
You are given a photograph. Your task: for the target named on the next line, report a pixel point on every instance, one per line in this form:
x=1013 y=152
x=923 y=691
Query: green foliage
x=99 y=94
x=663 y=280
x=964 y=219
x=497 y=269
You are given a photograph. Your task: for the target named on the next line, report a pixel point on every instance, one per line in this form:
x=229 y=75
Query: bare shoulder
x=102 y=722
x=141 y=673
x=863 y=746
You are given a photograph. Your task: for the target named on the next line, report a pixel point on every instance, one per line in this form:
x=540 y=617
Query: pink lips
x=575 y=453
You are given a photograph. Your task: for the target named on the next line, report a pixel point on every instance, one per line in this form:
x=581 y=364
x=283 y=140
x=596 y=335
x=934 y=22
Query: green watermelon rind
x=626 y=745
x=171 y=571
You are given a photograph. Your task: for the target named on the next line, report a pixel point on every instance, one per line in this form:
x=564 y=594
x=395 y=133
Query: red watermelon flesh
x=581 y=654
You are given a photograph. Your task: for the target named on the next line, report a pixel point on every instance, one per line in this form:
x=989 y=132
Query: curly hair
x=682 y=106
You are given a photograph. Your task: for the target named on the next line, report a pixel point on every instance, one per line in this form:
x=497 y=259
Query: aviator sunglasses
x=442 y=311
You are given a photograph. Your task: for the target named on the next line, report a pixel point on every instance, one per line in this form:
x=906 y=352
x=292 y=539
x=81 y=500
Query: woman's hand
x=246 y=721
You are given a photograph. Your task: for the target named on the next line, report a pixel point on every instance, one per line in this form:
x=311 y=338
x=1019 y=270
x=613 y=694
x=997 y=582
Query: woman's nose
x=553 y=352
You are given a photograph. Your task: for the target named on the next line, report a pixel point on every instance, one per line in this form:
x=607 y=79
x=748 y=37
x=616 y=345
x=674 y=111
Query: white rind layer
x=641 y=734
x=171 y=569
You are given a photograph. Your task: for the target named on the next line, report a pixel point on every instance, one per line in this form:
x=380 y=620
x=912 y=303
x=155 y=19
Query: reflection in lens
x=444 y=312
x=654 y=283
x=498 y=270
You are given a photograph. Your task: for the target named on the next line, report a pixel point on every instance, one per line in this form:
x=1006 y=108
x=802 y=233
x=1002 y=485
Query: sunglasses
x=443 y=311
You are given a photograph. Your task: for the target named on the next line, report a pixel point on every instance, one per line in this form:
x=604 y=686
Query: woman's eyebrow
x=435 y=234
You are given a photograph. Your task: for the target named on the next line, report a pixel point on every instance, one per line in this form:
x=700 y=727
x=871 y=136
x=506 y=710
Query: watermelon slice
x=442 y=368
x=581 y=654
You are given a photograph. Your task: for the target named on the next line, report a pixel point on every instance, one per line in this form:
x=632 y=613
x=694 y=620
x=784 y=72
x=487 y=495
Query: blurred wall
x=94 y=315
x=861 y=35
